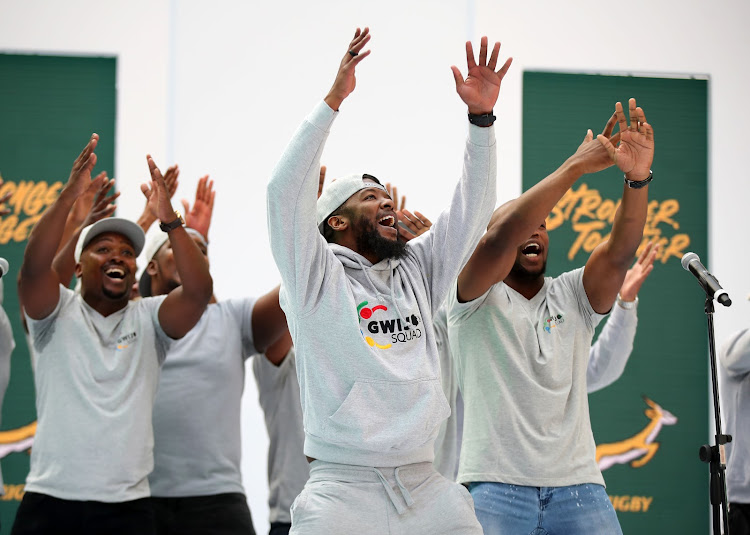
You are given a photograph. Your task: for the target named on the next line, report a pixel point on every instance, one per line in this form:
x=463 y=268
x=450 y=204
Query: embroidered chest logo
x=553 y=321
x=399 y=329
x=124 y=341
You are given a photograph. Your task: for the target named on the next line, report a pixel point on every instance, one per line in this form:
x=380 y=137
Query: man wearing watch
x=98 y=356
x=360 y=304
x=521 y=343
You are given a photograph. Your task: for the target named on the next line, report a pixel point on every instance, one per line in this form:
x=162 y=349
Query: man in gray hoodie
x=359 y=306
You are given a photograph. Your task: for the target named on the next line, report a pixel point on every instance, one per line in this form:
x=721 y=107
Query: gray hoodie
x=367 y=359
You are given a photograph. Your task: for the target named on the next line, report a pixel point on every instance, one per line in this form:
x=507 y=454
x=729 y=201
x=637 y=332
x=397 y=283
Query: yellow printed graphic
x=17 y=440
x=631 y=504
x=28 y=201
x=591 y=218
x=639 y=449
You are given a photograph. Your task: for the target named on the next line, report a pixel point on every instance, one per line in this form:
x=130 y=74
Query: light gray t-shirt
x=95 y=380
x=734 y=388
x=448 y=441
x=7 y=344
x=197 y=440
x=288 y=469
x=522 y=371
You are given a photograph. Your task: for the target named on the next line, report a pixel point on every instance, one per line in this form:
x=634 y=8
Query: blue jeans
x=516 y=510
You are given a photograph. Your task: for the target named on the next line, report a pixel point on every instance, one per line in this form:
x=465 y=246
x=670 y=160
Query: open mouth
x=387 y=221
x=531 y=250
x=115 y=273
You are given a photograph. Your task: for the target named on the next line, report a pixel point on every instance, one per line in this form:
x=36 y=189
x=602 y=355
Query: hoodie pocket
x=389 y=415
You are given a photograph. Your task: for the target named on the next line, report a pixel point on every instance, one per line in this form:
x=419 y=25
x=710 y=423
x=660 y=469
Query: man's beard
x=521 y=274
x=369 y=240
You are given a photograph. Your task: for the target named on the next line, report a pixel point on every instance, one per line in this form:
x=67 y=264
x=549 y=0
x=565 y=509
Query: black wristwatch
x=485 y=119
x=638 y=184
x=178 y=222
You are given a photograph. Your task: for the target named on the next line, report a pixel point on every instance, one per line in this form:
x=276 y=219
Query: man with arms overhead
x=359 y=304
x=98 y=358
x=522 y=345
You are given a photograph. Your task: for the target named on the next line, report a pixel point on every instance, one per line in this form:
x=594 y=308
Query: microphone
x=4 y=267
x=692 y=263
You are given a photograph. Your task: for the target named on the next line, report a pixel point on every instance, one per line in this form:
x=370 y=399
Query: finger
x=457 y=77
x=5 y=197
x=152 y=168
x=645 y=252
x=610 y=126
x=641 y=117
x=589 y=136
x=146 y=191
x=483 y=51
x=426 y=222
x=649 y=131
x=504 y=68
x=607 y=145
x=394 y=196
x=470 y=56
x=185 y=207
x=633 y=114
x=211 y=204
x=357 y=44
x=403 y=203
x=621 y=117
x=493 y=58
x=654 y=253
x=88 y=149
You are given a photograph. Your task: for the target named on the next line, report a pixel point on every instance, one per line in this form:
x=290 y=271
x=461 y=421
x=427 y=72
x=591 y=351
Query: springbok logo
x=642 y=444
x=17 y=440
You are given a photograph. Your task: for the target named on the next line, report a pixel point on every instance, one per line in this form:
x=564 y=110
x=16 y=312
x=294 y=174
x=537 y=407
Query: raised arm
x=605 y=270
x=513 y=222
x=38 y=283
x=445 y=249
x=610 y=353
x=184 y=305
x=296 y=243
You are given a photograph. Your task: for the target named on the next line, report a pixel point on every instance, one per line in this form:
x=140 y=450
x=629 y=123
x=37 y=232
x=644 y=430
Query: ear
x=151 y=268
x=79 y=270
x=338 y=222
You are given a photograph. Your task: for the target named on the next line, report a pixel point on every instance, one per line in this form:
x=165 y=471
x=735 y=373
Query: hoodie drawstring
x=400 y=509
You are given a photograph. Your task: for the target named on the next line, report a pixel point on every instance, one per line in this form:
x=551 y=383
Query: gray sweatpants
x=408 y=500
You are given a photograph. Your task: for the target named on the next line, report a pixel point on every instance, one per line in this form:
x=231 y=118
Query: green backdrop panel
x=650 y=423
x=49 y=106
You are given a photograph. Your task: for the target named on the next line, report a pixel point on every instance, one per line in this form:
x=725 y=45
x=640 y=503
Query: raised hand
x=102 y=205
x=158 y=188
x=635 y=151
x=640 y=271
x=416 y=222
x=482 y=84
x=199 y=218
x=594 y=157
x=80 y=175
x=345 y=81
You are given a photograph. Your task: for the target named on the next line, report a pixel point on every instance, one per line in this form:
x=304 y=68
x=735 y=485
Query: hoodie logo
x=400 y=330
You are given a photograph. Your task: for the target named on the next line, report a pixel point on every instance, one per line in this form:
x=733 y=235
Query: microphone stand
x=714 y=455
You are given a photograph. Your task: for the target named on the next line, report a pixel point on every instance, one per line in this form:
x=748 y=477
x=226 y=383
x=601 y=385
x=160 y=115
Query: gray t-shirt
x=734 y=387
x=522 y=370
x=95 y=380
x=197 y=440
x=448 y=441
x=288 y=469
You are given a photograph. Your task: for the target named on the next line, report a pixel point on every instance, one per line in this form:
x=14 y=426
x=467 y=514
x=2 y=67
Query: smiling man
x=359 y=304
x=522 y=341
x=97 y=366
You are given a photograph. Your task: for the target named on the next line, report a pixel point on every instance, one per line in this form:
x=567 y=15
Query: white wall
x=220 y=88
